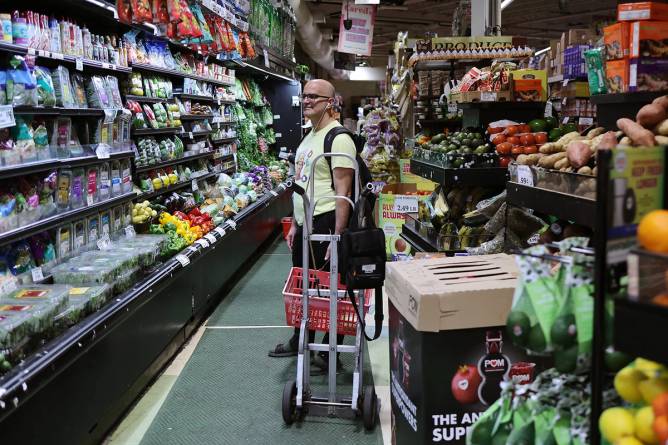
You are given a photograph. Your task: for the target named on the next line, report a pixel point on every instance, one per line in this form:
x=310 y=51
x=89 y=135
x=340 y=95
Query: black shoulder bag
x=363 y=259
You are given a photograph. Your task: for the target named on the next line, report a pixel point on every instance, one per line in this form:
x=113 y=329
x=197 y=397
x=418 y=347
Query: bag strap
x=378 y=315
x=327 y=147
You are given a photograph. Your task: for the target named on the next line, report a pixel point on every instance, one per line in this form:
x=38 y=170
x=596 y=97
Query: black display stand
x=610 y=107
x=481 y=114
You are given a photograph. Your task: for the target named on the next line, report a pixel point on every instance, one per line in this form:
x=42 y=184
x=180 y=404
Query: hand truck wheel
x=289 y=402
x=370 y=408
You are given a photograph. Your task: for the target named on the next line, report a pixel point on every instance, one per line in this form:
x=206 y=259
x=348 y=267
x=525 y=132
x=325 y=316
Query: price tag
x=102 y=151
x=130 y=232
x=7 y=116
x=32 y=51
x=195 y=186
x=548 y=108
x=565 y=121
x=405 y=204
x=112 y=66
x=79 y=64
x=586 y=121
x=632 y=266
x=190 y=134
x=524 y=175
x=277 y=117
x=210 y=237
x=273 y=193
x=232 y=223
x=37 y=274
x=279 y=135
x=106 y=66
x=487 y=96
x=535 y=238
x=184 y=260
x=58 y=56
x=563 y=101
x=266 y=57
x=8 y=285
x=566 y=82
x=43 y=53
x=104 y=243
x=89 y=200
x=202 y=242
x=109 y=116
x=452 y=107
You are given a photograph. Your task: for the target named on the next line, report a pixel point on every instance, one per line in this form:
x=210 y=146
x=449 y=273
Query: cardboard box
x=648 y=39
x=579 y=37
x=576 y=89
x=390 y=217
x=617 y=76
x=616 y=38
x=648 y=75
x=526 y=81
x=642 y=11
x=486 y=96
x=555 y=44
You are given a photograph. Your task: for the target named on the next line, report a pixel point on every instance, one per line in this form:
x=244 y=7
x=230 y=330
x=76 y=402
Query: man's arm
x=343 y=183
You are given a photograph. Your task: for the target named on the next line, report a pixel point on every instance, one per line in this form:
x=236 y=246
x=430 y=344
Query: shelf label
x=130 y=232
x=184 y=260
x=220 y=231
x=405 y=204
x=535 y=238
x=79 y=64
x=7 y=116
x=633 y=262
x=43 y=53
x=8 y=285
x=195 y=186
x=106 y=66
x=548 y=108
x=32 y=51
x=190 y=134
x=102 y=151
x=89 y=200
x=487 y=96
x=566 y=82
x=586 y=121
x=277 y=117
x=202 y=242
x=37 y=274
x=278 y=135
x=452 y=107
x=524 y=175
x=273 y=193
x=232 y=223
x=266 y=57
x=58 y=56
x=565 y=121
x=109 y=116
x=104 y=243
x=210 y=237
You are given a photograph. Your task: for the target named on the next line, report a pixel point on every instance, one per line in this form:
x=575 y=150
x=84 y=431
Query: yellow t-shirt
x=312 y=146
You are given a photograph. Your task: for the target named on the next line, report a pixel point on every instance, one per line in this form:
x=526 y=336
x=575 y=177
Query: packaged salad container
x=126 y=280
x=105 y=223
x=117 y=219
x=15 y=325
x=113 y=257
x=78 y=274
x=38 y=294
x=93 y=228
x=104 y=190
x=82 y=301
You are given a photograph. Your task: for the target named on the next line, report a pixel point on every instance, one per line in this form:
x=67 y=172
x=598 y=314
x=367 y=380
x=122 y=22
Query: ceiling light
x=544 y=50
x=505 y=4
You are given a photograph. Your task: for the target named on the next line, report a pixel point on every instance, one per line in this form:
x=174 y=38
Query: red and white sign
x=357 y=40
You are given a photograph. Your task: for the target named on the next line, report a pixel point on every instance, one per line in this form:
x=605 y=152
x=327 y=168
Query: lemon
x=626 y=384
x=644 y=430
x=652 y=388
x=628 y=441
x=650 y=368
x=616 y=423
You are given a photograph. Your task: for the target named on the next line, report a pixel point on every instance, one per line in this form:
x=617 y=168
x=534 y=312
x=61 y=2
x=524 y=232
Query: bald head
x=320 y=87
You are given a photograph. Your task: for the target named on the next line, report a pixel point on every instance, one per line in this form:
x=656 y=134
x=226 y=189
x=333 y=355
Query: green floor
x=229 y=392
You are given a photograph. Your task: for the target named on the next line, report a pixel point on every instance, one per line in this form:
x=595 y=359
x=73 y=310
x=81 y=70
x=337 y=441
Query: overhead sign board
x=357 y=39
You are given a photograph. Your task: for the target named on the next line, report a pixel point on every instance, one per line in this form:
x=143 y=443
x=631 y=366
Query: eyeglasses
x=313 y=97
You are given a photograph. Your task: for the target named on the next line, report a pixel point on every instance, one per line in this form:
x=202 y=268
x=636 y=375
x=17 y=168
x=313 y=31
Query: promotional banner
x=360 y=19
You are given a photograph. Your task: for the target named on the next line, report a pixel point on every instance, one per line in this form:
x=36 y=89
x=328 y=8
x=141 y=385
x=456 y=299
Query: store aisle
x=223 y=388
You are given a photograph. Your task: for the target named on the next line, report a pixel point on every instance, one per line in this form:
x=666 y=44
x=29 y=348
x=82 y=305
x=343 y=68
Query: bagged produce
x=3 y=88
x=46 y=94
x=21 y=84
x=82 y=301
x=79 y=91
x=63 y=87
x=135 y=85
x=96 y=92
x=25 y=143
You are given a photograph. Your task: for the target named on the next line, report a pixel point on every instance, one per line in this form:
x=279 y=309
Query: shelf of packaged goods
x=445 y=122
x=149 y=100
x=160 y=311
x=62 y=58
x=223 y=140
x=487 y=176
x=173 y=187
x=610 y=107
x=156 y=131
x=195 y=134
x=502 y=105
x=59 y=111
x=638 y=327
x=194 y=117
x=186 y=158
x=549 y=202
x=195 y=97
x=61 y=218
x=52 y=164
x=258 y=69
x=223 y=157
x=180 y=74
x=217 y=120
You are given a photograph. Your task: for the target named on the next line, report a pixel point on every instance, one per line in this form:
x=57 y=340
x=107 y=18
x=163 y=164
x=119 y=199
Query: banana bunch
x=470 y=236
x=448 y=237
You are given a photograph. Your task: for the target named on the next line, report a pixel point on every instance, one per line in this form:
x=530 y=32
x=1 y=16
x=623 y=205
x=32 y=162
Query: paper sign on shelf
x=89 y=200
x=184 y=260
x=277 y=117
x=102 y=151
x=79 y=64
x=358 y=39
x=565 y=121
x=202 y=242
x=7 y=116
x=195 y=186
x=106 y=66
x=220 y=231
x=210 y=237
x=487 y=96
x=548 y=108
x=8 y=285
x=232 y=223
x=405 y=204
x=266 y=57
x=524 y=175
x=130 y=232
x=58 y=56
x=452 y=107
x=566 y=82
x=37 y=274
x=104 y=243
x=586 y=121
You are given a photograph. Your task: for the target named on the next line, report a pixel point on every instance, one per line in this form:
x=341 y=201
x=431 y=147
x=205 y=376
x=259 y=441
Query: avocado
x=525 y=435
x=480 y=150
x=437 y=139
x=458 y=163
x=467 y=142
x=477 y=142
x=566 y=360
x=536 y=341
x=452 y=147
x=615 y=360
x=481 y=432
x=538 y=125
x=569 y=128
x=551 y=122
x=554 y=134
x=467 y=150
x=564 y=331
x=518 y=327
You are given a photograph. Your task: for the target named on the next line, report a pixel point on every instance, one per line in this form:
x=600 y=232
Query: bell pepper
x=181 y=215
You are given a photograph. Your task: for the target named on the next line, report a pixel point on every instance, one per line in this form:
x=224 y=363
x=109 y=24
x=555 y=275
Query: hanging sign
x=357 y=39
x=465 y=43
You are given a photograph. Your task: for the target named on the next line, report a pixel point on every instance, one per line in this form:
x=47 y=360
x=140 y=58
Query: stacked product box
x=574 y=62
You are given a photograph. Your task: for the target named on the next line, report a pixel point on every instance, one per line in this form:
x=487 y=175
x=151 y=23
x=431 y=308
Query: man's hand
x=291 y=235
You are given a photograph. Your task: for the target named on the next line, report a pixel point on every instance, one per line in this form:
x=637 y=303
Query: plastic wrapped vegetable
x=63 y=87
x=25 y=144
x=21 y=84
x=141 y=11
x=96 y=92
x=46 y=94
x=79 y=91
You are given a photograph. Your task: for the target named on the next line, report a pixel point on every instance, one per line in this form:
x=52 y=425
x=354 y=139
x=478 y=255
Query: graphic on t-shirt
x=303 y=165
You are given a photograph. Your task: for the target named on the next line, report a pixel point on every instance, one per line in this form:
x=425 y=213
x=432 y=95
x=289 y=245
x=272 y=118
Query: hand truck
x=298 y=398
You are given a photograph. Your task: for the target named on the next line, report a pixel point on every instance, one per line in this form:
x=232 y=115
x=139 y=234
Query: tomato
x=530 y=149
x=524 y=128
x=513 y=140
x=504 y=161
x=517 y=150
x=494 y=130
x=512 y=130
x=540 y=138
x=498 y=139
x=504 y=148
x=465 y=383
x=527 y=139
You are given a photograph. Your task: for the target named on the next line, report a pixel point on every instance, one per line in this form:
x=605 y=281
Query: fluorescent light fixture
x=505 y=4
x=544 y=50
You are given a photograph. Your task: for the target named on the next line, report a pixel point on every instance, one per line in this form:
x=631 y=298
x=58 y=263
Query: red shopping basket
x=346 y=320
x=286 y=223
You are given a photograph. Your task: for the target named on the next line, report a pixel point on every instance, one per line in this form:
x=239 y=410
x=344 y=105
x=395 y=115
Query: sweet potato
x=661 y=100
x=650 y=115
x=549 y=148
x=578 y=154
x=662 y=128
x=661 y=140
x=595 y=132
x=608 y=141
x=586 y=170
x=639 y=135
x=561 y=163
x=522 y=159
x=626 y=141
x=548 y=161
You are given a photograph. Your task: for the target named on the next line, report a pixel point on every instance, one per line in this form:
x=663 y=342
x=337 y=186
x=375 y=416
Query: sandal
x=282 y=350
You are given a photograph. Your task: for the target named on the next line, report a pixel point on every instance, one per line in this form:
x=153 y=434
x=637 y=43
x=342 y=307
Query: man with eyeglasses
x=330 y=216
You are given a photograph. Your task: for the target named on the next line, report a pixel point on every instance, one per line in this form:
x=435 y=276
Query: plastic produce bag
x=114 y=92
x=46 y=94
x=96 y=92
x=63 y=87
x=141 y=11
x=79 y=91
x=3 y=87
x=21 y=84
